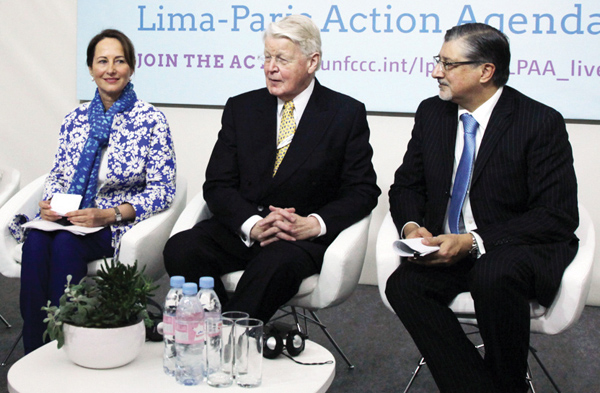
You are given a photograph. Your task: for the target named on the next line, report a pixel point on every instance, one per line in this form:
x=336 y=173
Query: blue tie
x=463 y=173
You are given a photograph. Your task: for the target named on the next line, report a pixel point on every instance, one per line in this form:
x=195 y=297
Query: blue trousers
x=48 y=257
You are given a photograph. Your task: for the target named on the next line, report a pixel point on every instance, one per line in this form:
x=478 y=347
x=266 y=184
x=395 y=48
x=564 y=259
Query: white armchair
x=9 y=183
x=562 y=313
x=144 y=242
x=342 y=266
x=26 y=202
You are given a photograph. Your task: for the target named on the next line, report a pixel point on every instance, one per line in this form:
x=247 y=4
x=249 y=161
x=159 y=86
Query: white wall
x=37 y=88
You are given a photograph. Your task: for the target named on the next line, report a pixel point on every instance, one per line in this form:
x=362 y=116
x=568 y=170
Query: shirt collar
x=484 y=112
x=300 y=101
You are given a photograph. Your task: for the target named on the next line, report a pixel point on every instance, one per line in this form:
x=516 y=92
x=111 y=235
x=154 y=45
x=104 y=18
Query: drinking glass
x=234 y=316
x=248 y=352
x=220 y=374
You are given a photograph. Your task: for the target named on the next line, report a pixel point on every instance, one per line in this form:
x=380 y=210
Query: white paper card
x=49 y=226
x=413 y=247
x=64 y=203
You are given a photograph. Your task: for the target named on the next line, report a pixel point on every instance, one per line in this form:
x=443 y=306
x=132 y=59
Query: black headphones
x=276 y=334
x=273 y=345
x=152 y=333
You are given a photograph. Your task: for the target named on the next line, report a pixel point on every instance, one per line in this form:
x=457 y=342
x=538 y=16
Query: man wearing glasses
x=290 y=170
x=488 y=177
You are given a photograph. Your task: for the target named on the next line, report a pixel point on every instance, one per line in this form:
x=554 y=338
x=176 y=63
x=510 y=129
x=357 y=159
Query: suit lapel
x=264 y=137
x=449 y=125
x=500 y=120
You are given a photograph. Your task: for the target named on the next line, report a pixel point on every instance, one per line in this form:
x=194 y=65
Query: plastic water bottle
x=189 y=337
x=213 y=328
x=169 y=310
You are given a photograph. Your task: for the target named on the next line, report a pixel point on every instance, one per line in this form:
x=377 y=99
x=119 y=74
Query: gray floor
x=382 y=351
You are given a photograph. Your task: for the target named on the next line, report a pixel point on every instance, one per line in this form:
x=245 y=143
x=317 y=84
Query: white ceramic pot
x=104 y=348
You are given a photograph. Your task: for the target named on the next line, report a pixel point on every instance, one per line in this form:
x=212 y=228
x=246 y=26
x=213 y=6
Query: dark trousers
x=501 y=283
x=48 y=257
x=272 y=274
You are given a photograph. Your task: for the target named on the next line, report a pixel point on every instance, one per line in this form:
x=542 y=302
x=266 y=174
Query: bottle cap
x=177 y=281
x=207 y=282
x=190 y=288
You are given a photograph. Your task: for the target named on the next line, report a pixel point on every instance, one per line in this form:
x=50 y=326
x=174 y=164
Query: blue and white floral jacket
x=141 y=162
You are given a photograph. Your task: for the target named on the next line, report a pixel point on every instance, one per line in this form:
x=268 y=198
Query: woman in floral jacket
x=116 y=152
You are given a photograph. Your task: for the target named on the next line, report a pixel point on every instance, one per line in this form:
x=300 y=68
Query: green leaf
x=116 y=297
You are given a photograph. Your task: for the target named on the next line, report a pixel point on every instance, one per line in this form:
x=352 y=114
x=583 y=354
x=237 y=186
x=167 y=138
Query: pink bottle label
x=189 y=332
x=168 y=322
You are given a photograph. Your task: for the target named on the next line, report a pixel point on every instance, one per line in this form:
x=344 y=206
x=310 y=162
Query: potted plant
x=100 y=321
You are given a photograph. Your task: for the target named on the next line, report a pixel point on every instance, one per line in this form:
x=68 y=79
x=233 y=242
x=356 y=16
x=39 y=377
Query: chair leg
x=414 y=374
x=315 y=319
x=5 y=321
x=12 y=350
x=537 y=359
x=297 y=321
x=529 y=378
x=335 y=344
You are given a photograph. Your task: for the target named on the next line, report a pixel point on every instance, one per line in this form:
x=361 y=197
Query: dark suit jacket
x=327 y=169
x=523 y=191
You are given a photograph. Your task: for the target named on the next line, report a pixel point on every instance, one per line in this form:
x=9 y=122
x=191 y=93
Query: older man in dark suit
x=290 y=170
x=488 y=177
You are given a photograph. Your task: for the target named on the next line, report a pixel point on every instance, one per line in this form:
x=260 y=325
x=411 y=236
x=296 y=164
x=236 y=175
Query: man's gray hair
x=299 y=29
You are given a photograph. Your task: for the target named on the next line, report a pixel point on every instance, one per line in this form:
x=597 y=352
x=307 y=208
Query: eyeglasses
x=448 y=65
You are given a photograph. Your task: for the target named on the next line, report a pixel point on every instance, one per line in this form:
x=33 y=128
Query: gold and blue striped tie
x=286 y=129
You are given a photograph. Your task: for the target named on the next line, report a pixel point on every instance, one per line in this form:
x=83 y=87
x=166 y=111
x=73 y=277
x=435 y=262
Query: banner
x=198 y=52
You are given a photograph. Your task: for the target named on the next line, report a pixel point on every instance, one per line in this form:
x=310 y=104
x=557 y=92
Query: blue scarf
x=85 y=181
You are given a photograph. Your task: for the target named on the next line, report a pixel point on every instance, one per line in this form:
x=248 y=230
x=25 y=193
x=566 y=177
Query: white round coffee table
x=48 y=370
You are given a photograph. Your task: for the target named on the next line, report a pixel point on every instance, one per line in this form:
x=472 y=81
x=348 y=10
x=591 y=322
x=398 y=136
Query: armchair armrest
x=146 y=240
x=9 y=183
x=23 y=202
x=387 y=260
x=195 y=211
x=342 y=266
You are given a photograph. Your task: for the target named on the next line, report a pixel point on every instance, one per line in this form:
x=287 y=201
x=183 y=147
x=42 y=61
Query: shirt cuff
x=247 y=228
x=321 y=222
x=404 y=226
x=479 y=241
